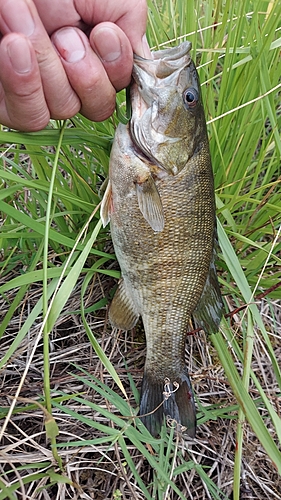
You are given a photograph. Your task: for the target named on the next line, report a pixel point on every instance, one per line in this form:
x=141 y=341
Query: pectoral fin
x=122 y=311
x=209 y=310
x=106 y=205
x=150 y=204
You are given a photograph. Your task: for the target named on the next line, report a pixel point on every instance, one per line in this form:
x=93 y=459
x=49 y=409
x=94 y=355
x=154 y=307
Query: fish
x=160 y=203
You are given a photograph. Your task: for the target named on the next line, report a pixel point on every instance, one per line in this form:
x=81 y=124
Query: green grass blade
x=245 y=401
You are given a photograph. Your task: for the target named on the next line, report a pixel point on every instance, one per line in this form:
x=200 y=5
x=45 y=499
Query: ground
x=100 y=471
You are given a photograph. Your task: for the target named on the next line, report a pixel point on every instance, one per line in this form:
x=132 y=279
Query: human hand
x=59 y=57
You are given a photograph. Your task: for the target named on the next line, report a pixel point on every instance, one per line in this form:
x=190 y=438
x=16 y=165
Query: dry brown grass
x=100 y=472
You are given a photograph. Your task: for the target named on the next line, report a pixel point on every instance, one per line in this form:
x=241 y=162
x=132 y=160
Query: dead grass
x=101 y=472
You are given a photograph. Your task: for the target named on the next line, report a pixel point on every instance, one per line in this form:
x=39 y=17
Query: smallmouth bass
x=161 y=207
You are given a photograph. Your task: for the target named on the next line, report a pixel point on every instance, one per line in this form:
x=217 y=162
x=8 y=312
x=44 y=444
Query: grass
x=58 y=273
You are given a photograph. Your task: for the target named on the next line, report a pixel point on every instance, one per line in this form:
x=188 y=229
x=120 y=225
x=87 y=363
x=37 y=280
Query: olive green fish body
x=160 y=201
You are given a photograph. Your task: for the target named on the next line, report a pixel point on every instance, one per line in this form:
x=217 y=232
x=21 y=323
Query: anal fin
x=122 y=311
x=150 y=203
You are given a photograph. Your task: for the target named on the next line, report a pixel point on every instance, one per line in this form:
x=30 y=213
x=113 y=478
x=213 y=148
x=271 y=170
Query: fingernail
x=69 y=44
x=18 y=17
x=106 y=44
x=19 y=54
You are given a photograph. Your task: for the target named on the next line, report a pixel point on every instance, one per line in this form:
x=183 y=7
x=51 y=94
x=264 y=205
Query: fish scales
x=162 y=218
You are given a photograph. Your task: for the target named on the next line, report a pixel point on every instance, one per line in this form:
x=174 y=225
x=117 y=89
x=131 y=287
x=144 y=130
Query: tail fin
x=173 y=399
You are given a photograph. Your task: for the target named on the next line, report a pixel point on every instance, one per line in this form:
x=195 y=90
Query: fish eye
x=190 y=97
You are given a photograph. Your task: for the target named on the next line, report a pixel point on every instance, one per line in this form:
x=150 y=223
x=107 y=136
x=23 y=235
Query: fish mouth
x=164 y=62
x=160 y=71
x=153 y=81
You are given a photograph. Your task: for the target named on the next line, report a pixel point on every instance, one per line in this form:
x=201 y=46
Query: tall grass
x=51 y=235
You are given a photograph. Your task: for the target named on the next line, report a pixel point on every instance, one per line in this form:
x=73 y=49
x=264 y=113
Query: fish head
x=168 y=123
